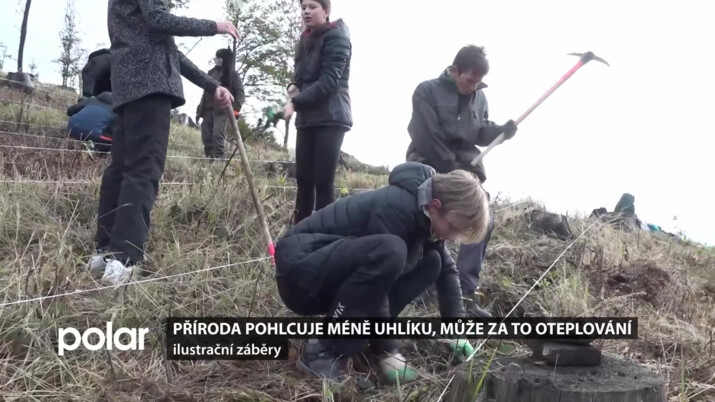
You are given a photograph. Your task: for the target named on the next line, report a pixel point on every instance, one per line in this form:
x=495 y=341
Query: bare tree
x=268 y=35
x=176 y=4
x=4 y=56
x=269 y=31
x=23 y=35
x=33 y=68
x=72 y=52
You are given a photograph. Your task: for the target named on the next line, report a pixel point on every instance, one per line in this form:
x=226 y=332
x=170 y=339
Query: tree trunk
x=285 y=138
x=23 y=34
x=519 y=379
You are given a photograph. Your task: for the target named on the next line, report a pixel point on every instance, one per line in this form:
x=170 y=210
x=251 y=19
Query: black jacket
x=390 y=210
x=445 y=136
x=97 y=74
x=322 y=72
x=208 y=106
x=145 y=59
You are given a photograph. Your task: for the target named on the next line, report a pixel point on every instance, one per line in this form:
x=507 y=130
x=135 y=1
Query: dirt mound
x=647 y=279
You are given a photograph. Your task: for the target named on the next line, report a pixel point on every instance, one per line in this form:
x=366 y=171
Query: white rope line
x=51 y=149
x=31 y=104
x=60 y=182
x=100 y=152
x=77 y=292
x=30 y=181
x=479 y=347
x=32 y=124
x=68 y=96
x=20 y=134
x=67 y=139
x=17 y=134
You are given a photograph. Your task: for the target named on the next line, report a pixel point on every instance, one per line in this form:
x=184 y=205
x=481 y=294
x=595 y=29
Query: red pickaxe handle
x=585 y=58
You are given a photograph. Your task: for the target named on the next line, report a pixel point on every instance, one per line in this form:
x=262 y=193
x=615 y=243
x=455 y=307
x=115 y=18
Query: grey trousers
x=213 y=135
x=470 y=259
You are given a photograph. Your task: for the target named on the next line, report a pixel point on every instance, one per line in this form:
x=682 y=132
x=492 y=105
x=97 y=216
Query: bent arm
x=195 y=75
x=74 y=109
x=448 y=289
x=489 y=131
x=161 y=21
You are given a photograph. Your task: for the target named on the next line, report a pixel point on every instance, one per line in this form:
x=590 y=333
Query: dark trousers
x=316 y=157
x=365 y=278
x=469 y=262
x=213 y=134
x=131 y=182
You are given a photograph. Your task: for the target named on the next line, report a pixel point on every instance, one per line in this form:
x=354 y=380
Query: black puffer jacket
x=390 y=210
x=97 y=73
x=322 y=72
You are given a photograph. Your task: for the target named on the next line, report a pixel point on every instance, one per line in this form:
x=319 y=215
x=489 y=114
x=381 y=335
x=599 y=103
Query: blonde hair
x=462 y=196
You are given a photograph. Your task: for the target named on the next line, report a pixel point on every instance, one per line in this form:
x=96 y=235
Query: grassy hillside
x=46 y=231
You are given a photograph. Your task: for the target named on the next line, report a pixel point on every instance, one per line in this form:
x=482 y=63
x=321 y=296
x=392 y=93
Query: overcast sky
x=639 y=126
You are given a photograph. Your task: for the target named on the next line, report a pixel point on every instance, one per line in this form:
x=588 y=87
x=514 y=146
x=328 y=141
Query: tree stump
x=520 y=379
x=21 y=81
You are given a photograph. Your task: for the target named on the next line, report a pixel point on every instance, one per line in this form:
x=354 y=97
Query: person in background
x=97 y=74
x=146 y=81
x=213 y=129
x=93 y=120
x=319 y=94
x=450 y=118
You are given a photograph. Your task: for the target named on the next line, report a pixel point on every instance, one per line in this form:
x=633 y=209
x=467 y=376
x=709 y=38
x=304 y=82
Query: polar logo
x=108 y=339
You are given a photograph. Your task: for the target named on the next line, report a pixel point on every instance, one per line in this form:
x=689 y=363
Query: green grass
x=46 y=233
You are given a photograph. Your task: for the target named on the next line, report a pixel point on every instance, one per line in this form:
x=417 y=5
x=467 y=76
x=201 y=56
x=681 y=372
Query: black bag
x=550 y=224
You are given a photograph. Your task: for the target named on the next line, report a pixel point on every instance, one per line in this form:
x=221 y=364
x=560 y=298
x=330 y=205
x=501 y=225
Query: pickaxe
x=585 y=58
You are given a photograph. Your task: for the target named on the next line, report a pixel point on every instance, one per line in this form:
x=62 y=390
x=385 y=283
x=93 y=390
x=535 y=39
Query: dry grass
x=46 y=236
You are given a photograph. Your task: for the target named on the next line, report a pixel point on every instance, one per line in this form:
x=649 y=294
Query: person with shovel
x=450 y=118
x=370 y=254
x=146 y=85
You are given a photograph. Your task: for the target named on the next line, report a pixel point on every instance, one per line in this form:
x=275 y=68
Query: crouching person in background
x=92 y=120
x=371 y=254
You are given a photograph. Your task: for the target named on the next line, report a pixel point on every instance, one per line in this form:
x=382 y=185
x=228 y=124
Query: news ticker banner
x=229 y=338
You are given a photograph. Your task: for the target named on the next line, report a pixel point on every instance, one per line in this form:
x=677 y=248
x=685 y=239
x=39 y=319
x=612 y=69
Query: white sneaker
x=116 y=273
x=97 y=264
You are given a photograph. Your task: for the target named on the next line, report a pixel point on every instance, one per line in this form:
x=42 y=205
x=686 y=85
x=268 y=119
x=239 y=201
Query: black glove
x=509 y=129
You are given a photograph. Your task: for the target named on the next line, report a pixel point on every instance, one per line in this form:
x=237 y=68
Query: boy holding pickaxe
x=450 y=118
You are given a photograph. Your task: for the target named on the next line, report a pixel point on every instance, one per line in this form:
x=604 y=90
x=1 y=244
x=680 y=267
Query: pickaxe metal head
x=585 y=58
x=588 y=56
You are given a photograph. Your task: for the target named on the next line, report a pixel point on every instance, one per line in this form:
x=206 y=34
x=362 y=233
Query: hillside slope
x=48 y=200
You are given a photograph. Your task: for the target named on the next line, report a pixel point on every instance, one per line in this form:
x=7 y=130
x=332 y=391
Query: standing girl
x=320 y=97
